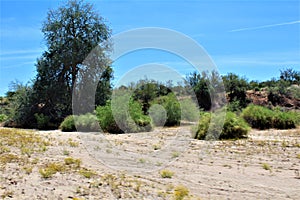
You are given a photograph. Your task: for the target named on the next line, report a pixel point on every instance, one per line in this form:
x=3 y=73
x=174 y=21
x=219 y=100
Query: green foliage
x=284 y=120
x=42 y=120
x=146 y=91
x=158 y=115
x=166 y=173
x=291 y=76
x=131 y=120
x=258 y=116
x=71 y=32
x=172 y=108
x=199 y=83
x=234 y=127
x=264 y=118
x=3 y=117
x=189 y=110
x=180 y=192
x=19 y=106
x=84 y=123
x=236 y=88
x=68 y=124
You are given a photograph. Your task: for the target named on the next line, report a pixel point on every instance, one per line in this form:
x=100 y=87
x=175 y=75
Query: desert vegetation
x=235 y=129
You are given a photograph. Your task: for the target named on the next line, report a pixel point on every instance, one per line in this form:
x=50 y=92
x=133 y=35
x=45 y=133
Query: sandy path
x=127 y=166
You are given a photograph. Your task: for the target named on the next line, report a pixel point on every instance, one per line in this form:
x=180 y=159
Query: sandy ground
x=129 y=166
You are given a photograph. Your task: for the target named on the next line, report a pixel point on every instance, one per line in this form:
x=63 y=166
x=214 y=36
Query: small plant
x=156 y=147
x=298 y=156
x=180 y=192
x=175 y=154
x=28 y=169
x=142 y=160
x=66 y=152
x=73 y=143
x=166 y=173
x=73 y=161
x=87 y=173
x=266 y=166
x=50 y=170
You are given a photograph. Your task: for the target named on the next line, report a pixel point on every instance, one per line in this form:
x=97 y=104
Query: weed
x=175 y=154
x=166 y=173
x=66 y=152
x=35 y=161
x=298 y=156
x=73 y=143
x=108 y=151
x=87 y=173
x=26 y=151
x=51 y=169
x=180 y=192
x=28 y=169
x=266 y=166
x=9 y=158
x=73 y=161
x=142 y=160
x=156 y=147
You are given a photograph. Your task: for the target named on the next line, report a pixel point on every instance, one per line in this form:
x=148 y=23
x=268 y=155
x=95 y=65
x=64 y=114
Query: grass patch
x=166 y=173
x=50 y=169
x=87 y=173
x=72 y=161
x=266 y=166
x=180 y=192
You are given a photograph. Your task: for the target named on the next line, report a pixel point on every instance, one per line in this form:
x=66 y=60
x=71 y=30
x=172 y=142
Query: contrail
x=265 y=26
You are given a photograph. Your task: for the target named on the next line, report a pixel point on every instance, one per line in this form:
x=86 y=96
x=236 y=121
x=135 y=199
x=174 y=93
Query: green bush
x=189 y=110
x=264 y=118
x=158 y=115
x=42 y=120
x=284 y=120
x=3 y=118
x=131 y=121
x=234 y=127
x=68 y=124
x=172 y=108
x=85 y=123
x=258 y=116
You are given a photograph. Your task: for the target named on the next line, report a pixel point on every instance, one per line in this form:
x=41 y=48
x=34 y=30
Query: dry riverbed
x=163 y=164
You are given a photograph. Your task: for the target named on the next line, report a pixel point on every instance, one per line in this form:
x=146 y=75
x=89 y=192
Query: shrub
x=234 y=127
x=3 y=118
x=189 y=110
x=166 y=173
x=258 y=116
x=264 y=118
x=180 y=192
x=131 y=120
x=42 y=120
x=284 y=120
x=85 y=123
x=172 y=108
x=158 y=115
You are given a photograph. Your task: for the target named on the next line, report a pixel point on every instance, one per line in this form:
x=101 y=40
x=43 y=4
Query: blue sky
x=251 y=38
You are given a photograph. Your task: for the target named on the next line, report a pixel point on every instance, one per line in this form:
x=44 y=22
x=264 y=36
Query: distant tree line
x=71 y=33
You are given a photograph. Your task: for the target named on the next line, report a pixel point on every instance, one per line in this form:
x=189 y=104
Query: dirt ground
x=162 y=164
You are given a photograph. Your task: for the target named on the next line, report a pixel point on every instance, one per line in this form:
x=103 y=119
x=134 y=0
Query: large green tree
x=236 y=88
x=73 y=33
